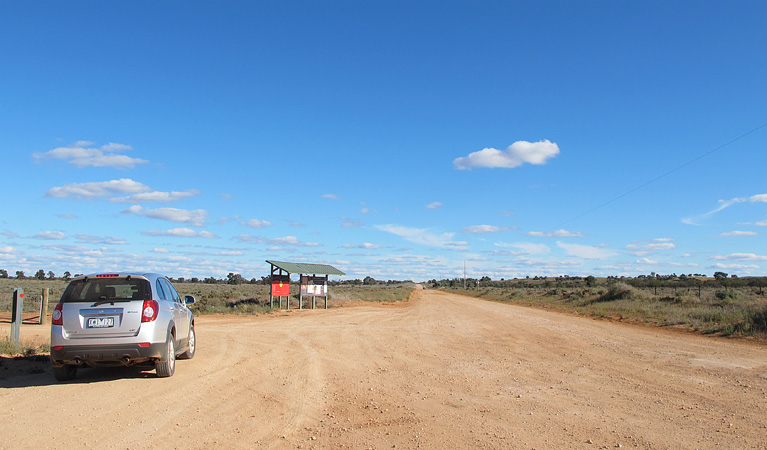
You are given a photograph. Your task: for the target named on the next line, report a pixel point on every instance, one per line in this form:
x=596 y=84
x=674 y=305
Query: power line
x=675 y=169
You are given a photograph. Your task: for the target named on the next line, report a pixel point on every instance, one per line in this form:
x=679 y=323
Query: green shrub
x=619 y=291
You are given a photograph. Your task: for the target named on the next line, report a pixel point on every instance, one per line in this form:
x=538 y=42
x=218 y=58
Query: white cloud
x=160 y=250
x=138 y=192
x=180 y=232
x=515 y=155
x=434 y=205
x=50 y=235
x=739 y=233
x=585 y=251
x=91 y=239
x=347 y=222
x=287 y=240
x=330 y=196
x=194 y=218
x=281 y=241
x=7 y=251
x=366 y=246
x=113 y=147
x=734 y=266
x=292 y=240
x=527 y=247
x=646 y=261
x=247 y=238
x=255 y=223
x=740 y=257
x=82 y=154
x=761 y=223
x=557 y=233
x=654 y=246
x=695 y=220
x=94 y=190
x=423 y=236
x=156 y=197
x=482 y=229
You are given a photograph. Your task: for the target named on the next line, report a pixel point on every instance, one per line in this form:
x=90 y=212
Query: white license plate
x=101 y=322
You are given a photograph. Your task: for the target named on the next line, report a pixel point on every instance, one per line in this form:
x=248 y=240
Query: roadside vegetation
x=25 y=349
x=723 y=305
x=231 y=295
x=247 y=298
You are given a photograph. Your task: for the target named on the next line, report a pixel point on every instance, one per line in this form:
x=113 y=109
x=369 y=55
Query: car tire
x=190 y=346
x=168 y=367
x=65 y=372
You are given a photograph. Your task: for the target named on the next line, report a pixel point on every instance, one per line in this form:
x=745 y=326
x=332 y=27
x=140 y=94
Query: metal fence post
x=16 y=319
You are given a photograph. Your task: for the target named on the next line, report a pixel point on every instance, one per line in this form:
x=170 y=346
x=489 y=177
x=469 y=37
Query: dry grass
x=215 y=298
x=733 y=312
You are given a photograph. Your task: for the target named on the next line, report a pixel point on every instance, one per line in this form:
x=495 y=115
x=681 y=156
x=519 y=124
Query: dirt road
x=438 y=372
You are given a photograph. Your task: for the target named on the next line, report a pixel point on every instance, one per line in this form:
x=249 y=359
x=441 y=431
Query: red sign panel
x=280 y=286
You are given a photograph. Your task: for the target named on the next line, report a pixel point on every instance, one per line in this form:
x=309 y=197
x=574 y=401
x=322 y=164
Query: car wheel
x=167 y=367
x=65 y=372
x=191 y=345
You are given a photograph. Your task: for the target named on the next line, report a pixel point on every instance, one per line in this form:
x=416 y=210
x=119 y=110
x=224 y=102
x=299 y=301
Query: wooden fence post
x=17 y=318
x=44 y=307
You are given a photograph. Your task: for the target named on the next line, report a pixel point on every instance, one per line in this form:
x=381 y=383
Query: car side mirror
x=188 y=299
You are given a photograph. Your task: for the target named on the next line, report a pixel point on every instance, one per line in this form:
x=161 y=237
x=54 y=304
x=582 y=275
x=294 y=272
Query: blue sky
x=387 y=138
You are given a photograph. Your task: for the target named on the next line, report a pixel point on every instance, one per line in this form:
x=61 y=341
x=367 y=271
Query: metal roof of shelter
x=306 y=268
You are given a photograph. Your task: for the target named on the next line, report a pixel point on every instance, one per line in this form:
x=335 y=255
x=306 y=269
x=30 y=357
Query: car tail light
x=149 y=310
x=58 y=317
x=108 y=275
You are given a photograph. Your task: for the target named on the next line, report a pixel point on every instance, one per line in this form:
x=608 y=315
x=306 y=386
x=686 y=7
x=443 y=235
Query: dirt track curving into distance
x=440 y=371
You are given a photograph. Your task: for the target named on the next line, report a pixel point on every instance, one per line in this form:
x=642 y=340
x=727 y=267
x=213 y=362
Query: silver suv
x=114 y=319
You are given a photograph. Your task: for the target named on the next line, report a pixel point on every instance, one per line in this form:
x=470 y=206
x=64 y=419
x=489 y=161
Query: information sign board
x=314 y=286
x=280 y=285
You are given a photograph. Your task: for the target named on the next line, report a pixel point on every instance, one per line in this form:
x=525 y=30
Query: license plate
x=101 y=322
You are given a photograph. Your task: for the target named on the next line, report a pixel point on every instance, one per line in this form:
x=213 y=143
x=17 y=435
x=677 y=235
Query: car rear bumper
x=96 y=355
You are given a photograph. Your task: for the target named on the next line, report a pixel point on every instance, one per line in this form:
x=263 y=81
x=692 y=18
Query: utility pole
x=464 y=274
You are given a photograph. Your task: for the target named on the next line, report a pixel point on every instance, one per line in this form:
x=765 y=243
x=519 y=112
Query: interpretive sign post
x=281 y=287
x=314 y=286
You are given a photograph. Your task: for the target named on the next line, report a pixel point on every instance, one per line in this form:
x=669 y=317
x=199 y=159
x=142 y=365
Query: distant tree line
x=719 y=280
x=39 y=275
x=653 y=280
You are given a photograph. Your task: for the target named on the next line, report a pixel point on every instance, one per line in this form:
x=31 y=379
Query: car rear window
x=94 y=289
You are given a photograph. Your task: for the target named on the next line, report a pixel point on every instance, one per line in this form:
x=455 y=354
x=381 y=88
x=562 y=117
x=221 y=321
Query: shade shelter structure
x=313 y=281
